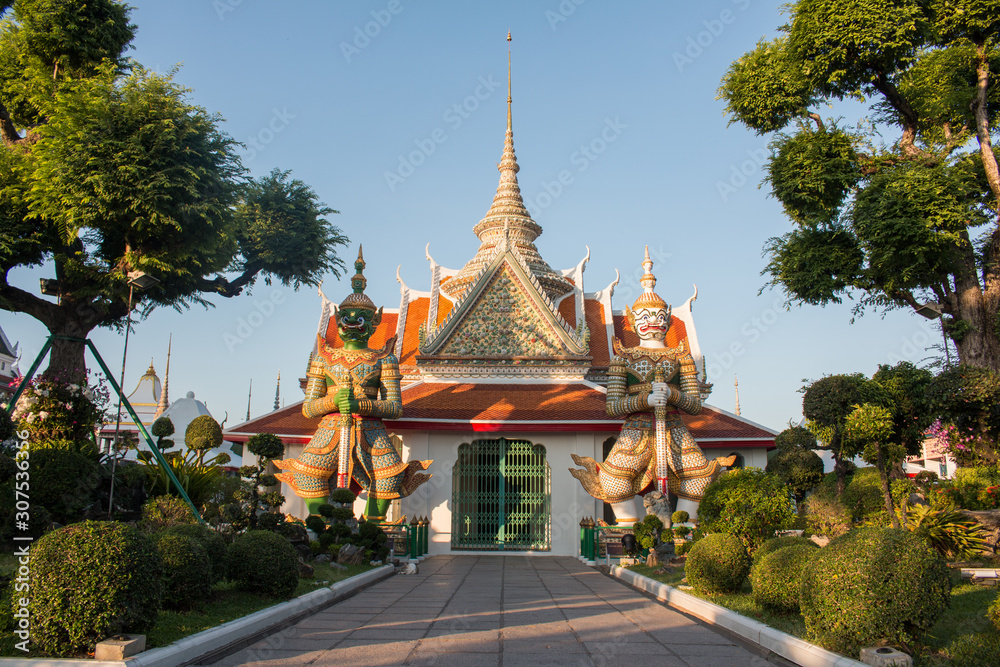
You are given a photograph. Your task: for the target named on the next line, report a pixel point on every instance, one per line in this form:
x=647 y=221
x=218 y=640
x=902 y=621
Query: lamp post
x=137 y=280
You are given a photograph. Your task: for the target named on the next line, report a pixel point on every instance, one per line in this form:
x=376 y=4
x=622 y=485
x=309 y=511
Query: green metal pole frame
x=128 y=406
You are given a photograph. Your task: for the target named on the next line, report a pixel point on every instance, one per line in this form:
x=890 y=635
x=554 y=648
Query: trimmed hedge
x=63 y=482
x=717 y=563
x=748 y=503
x=870 y=586
x=263 y=562
x=993 y=613
x=166 y=511
x=776 y=543
x=776 y=577
x=187 y=575
x=91 y=580
x=213 y=544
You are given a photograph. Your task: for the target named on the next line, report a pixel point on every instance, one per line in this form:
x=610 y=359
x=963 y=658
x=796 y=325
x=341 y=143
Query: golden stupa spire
x=164 y=401
x=508 y=211
x=736 y=383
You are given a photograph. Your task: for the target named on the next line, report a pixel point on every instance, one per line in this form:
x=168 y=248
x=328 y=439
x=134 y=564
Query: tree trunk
x=980 y=346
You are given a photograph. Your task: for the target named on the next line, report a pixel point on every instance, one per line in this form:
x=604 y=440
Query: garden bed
x=966 y=614
x=230 y=618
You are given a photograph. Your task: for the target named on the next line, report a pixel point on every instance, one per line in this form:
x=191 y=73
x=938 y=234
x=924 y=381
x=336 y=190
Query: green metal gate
x=501 y=497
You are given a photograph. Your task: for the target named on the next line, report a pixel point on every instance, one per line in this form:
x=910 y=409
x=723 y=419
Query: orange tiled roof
x=567 y=308
x=512 y=408
x=600 y=348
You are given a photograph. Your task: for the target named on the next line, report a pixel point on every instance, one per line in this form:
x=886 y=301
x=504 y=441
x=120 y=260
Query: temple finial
x=509 y=98
x=736 y=383
x=164 y=401
x=277 y=393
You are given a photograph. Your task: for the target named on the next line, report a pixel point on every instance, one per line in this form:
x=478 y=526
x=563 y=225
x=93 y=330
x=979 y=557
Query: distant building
x=8 y=362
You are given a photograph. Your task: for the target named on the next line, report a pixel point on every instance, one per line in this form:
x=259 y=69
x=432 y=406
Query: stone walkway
x=487 y=611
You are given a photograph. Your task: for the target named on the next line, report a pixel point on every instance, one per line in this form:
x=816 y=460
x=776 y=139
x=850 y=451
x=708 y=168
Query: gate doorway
x=501 y=497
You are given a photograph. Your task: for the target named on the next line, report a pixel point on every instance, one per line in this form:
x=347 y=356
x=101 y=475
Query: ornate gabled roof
x=508 y=211
x=505 y=315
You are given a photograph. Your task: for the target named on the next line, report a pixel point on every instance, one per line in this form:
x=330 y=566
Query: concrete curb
x=221 y=639
x=791 y=648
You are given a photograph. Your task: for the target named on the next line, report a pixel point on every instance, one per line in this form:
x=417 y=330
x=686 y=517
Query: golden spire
x=508 y=209
x=736 y=383
x=164 y=401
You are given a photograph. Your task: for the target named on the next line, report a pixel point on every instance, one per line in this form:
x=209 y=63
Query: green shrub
x=326 y=539
x=682 y=548
x=647 y=531
x=372 y=538
x=826 y=515
x=717 y=563
x=187 y=570
x=165 y=511
x=203 y=434
x=91 y=580
x=777 y=577
x=949 y=532
x=775 y=543
x=681 y=532
x=64 y=482
x=315 y=524
x=262 y=562
x=747 y=503
x=873 y=585
x=339 y=531
x=976 y=650
x=993 y=613
x=213 y=544
x=345 y=496
x=680 y=516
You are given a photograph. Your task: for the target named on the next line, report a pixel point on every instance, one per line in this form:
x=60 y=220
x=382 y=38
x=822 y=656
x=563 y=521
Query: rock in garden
x=337 y=566
x=652 y=560
x=305 y=570
x=351 y=555
x=322 y=558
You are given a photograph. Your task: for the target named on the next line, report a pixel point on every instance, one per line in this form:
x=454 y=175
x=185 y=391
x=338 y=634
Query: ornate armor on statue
x=649 y=385
x=353 y=388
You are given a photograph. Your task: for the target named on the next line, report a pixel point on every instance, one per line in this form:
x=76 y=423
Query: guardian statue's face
x=355 y=325
x=652 y=323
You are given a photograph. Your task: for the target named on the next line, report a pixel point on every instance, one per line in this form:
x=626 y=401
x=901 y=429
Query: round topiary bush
x=262 y=562
x=91 y=580
x=187 y=571
x=717 y=563
x=680 y=516
x=776 y=543
x=873 y=585
x=977 y=650
x=345 y=496
x=993 y=613
x=777 y=577
x=213 y=544
x=647 y=532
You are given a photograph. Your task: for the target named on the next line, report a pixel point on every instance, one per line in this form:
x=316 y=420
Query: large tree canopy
x=892 y=224
x=107 y=169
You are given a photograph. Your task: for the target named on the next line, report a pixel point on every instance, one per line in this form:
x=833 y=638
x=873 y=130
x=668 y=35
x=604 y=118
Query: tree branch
x=979 y=110
x=229 y=288
x=818 y=120
x=909 y=115
x=16 y=300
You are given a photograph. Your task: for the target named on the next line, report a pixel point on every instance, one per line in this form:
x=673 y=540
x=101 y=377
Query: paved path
x=487 y=611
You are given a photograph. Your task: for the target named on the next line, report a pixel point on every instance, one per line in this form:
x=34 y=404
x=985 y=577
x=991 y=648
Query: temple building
x=503 y=365
x=8 y=362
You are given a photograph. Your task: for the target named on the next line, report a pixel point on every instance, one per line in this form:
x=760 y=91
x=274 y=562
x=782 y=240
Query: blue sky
x=394 y=112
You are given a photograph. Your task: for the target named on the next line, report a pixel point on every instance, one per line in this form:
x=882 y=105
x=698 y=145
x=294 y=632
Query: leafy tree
x=795 y=437
x=895 y=223
x=748 y=503
x=892 y=423
x=243 y=513
x=107 y=169
x=826 y=404
x=799 y=469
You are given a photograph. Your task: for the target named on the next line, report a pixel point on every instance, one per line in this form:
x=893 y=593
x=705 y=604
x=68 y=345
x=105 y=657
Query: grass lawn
x=227 y=604
x=966 y=614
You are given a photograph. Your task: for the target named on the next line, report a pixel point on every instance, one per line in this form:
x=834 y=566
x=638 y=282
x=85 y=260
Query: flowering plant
x=60 y=414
